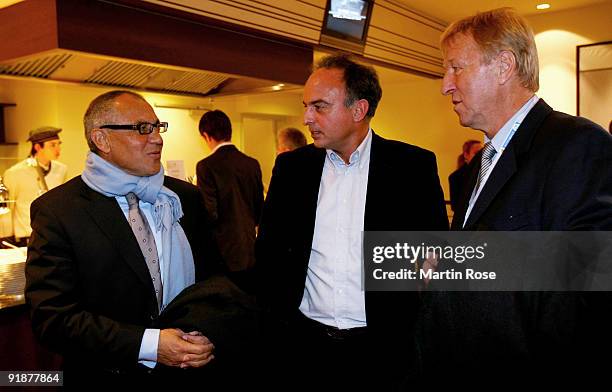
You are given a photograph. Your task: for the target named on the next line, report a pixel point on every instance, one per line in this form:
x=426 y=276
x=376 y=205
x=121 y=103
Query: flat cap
x=43 y=134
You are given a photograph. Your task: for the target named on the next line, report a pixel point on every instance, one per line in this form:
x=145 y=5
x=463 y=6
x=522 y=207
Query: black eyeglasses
x=143 y=128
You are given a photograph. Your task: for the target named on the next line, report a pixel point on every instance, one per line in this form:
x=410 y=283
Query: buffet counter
x=17 y=343
x=12 y=276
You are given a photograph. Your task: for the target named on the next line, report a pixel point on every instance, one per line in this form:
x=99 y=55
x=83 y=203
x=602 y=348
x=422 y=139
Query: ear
x=507 y=66
x=360 y=110
x=100 y=138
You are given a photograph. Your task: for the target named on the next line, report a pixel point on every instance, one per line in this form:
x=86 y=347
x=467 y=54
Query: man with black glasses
x=110 y=250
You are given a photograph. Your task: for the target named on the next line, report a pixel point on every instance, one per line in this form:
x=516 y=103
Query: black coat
x=230 y=319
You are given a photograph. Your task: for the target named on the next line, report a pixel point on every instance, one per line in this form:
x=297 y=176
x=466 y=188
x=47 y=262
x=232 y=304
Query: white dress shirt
x=218 y=146
x=333 y=293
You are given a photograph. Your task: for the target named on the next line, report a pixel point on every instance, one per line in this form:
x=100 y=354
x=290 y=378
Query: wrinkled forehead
x=130 y=108
x=460 y=45
x=323 y=82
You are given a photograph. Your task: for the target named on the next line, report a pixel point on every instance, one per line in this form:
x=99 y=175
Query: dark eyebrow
x=315 y=102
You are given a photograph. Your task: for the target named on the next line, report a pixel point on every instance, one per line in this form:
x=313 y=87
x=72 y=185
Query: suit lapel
x=312 y=183
x=377 y=173
x=508 y=162
x=107 y=214
x=503 y=170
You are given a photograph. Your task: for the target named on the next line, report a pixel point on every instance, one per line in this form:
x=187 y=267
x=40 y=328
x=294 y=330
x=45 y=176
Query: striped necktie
x=488 y=152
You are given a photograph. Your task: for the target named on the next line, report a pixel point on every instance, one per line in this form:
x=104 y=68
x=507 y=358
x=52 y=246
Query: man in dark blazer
x=90 y=286
x=540 y=170
x=458 y=179
x=230 y=183
x=321 y=198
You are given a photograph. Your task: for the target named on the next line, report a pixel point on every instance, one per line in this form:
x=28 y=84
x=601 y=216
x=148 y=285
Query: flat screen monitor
x=346 y=23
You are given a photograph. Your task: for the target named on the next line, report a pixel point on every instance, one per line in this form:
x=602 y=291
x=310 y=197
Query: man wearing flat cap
x=34 y=176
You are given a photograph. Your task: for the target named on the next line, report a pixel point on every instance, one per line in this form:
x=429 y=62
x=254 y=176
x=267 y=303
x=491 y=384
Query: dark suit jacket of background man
x=403 y=193
x=230 y=183
x=88 y=285
x=457 y=185
x=555 y=175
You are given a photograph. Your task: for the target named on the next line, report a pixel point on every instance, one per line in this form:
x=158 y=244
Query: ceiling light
x=543 y=6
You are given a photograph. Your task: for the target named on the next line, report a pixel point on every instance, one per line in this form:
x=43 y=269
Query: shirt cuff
x=148 y=348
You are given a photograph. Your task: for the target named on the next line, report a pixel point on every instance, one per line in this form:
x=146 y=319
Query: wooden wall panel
x=241 y=37
x=397 y=35
x=128 y=32
x=27 y=27
x=296 y=19
x=404 y=37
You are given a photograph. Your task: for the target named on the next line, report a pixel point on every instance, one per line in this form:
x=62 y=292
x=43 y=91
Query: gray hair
x=98 y=111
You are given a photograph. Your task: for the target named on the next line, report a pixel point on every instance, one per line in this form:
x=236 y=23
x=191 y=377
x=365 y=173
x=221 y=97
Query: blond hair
x=497 y=30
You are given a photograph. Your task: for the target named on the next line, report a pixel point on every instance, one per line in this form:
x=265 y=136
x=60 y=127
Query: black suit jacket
x=556 y=174
x=230 y=183
x=87 y=284
x=457 y=185
x=403 y=194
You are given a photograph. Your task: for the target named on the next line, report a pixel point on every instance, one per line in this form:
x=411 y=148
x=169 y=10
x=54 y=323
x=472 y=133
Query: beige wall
x=557 y=35
x=414 y=111
x=595 y=101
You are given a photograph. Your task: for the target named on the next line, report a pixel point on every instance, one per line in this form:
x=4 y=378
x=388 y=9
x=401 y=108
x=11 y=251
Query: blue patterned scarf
x=109 y=180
